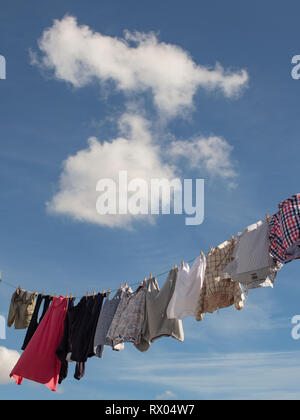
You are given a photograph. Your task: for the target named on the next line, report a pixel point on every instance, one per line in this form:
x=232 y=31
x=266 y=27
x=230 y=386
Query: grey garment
x=127 y=325
x=263 y=277
x=21 y=309
x=156 y=322
x=116 y=319
x=252 y=263
x=107 y=314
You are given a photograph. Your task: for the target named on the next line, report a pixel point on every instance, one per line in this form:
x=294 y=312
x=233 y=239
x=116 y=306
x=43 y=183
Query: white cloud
x=133 y=152
x=167 y=395
x=136 y=152
x=136 y=63
x=8 y=359
x=271 y=375
x=212 y=154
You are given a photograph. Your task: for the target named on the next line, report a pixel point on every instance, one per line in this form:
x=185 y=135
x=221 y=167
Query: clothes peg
x=232 y=237
x=175 y=267
x=145 y=280
x=182 y=264
x=202 y=253
x=211 y=248
x=126 y=285
x=55 y=294
x=71 y=296
x=121 y=286
x=109 y=291
x=42 y=294
x=94 y=293
x=267 y=217
x=87 y=295
x=151 y=277
x=103 y=293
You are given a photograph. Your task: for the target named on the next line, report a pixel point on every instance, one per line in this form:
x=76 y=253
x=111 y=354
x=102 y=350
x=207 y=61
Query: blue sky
x=44 y=121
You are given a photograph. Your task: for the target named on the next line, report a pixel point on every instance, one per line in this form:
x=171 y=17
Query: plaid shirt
x=219 y=291
x=285 y=231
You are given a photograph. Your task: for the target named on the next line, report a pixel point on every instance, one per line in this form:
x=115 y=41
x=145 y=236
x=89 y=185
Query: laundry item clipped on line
x=65 y=332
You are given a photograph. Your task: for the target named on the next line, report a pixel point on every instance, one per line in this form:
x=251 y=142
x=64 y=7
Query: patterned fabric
x=128 y=321
x=218 y=290
x=285 y=231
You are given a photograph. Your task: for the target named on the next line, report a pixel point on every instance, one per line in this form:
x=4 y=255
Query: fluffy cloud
x=133 y=152
x=167 y=395
x=8 y=359
x=136 y=63
x=212 y=154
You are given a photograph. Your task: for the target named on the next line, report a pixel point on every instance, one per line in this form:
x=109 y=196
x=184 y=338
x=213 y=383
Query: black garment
x=47 y=303
x=93 y=324
x=65 y=346
x=80 y=329
x=79 y=370
x=84 y=327
x=34 y=323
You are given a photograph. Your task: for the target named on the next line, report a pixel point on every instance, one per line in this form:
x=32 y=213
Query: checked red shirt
x=285 y=231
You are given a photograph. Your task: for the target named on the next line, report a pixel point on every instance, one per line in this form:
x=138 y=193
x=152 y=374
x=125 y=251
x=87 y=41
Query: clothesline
x=217 y=280
x=13 y=286
x=115 y=290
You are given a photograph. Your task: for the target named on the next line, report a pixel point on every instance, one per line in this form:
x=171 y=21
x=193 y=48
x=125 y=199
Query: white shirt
x=187 y=290
x=253 y=265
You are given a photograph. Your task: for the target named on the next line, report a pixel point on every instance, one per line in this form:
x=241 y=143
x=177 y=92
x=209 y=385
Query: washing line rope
x=113 y=290
x=134 y=284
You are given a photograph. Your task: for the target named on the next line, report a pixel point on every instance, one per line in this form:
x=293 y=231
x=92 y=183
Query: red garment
x=39 y=361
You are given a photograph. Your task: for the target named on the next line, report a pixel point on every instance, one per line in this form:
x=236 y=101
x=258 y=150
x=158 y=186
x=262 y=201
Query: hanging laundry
x=253 y=265
x=156 y=322
x=106 y=317
x=34 y=323
x=125 y=294
x=285 y=231
x=21 y=309
x=187 y=289
x=126 y=326
x=65 y=346
x=81 y=331
x=218 y=290
x=39 y=361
